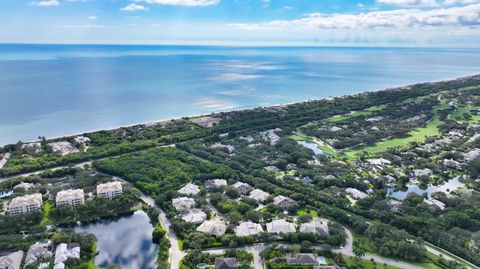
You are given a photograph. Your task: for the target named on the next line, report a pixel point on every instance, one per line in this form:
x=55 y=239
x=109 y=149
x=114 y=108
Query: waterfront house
x=248 y=228
x=65 y=251
x=283 y=202
x=25 y=204
x=70 y=197
x=190 y=189
x=39 y=250
x=215 y=227
x=280 y=226
x=182 y=204
x=258 y=195
x=63 y=148
x=225 y=263
x=194 y=215
x=215 y=183
x=242 y=188
x=11 y=260
x=110 y=190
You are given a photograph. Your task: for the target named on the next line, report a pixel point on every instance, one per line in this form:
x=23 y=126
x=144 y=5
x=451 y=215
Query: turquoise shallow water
x=54 y=90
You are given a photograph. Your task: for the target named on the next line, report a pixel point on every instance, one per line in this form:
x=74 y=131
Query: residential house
x=258 y=195
x=12 y=260
x=110 y=190
x=225 y=263
x=248 y=228
x=316 y=226
x=65 y=251
x=190 y=189
x=215 y=183
x=283 y=202
x=242 y=188
x=280 y=226
x=215 y=227
x=70 y=197
x=271 y=136
x=63 y=148
x=194 y=215
x=182 y=204
x=422 y=172
x=355 y=193
x=39 y=250
x=25 y=204
x=302 y=259
x=82 y=140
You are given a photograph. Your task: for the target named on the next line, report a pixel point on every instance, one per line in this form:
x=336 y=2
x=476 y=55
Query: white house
x=316 y=226
x=12 y=260
x=280 y=226
x=248 y=229
x=194 y=216
x=70 y=197
x=355 y=193
x=215 y=183
x=215 y=227
x=39 y=250
x=110 y=190
x=258 y=195
x=183 y=203
x=25 y=204
x=243 y=188
x=189 y=189
x=65 y=251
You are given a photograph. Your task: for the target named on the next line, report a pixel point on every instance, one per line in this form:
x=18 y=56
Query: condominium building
x=70 y=197
x=110 y=190
x=25 y=204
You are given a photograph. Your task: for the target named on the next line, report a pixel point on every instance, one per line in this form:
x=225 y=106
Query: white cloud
x=192 y=3
x=92 y=18
x=134 y=7
x=233 y=77
x=427 y=2
x=85 y=26
x=400 y=18
x=46 y=3
x=214 y=104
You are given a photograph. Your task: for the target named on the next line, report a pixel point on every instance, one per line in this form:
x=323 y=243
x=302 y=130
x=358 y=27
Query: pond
x=313 y=147
x=126 y=241
x=446 y=187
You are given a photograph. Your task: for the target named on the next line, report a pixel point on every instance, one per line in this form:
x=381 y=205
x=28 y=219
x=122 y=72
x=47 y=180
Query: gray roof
x=248 y=229
x=302 y=258
x=12 y=260
x=225 y=263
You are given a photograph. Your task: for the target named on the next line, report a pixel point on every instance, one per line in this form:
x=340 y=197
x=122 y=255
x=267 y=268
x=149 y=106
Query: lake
x=55 y=90
x=313 y=147
x=126 y=241
x=446 y=188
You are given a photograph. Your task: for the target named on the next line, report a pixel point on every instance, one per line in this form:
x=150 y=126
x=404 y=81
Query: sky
x=444 y=23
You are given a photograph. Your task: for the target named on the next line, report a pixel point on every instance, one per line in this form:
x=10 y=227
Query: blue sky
x=324 y=22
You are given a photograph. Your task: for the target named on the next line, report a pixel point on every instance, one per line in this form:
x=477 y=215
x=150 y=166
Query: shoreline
x=189 y=117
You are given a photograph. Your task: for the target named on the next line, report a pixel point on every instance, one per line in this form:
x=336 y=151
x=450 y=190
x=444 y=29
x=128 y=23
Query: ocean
x=56 y=90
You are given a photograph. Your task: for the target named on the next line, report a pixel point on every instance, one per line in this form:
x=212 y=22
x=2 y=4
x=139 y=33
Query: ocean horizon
x=59 y=90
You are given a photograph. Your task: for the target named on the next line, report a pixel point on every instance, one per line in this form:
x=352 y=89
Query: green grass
x=367 y=264
x=366 y=112
x=302 y=212
x=180 y=244
x=47 y=207
x=299 y=137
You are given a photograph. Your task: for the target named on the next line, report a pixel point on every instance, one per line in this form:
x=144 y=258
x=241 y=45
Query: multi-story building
x=25 y=204
x=70 y=197
x=110 y=190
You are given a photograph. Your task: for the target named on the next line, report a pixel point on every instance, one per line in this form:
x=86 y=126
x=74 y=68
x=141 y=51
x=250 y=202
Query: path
x=447 y=255
x=4 y=160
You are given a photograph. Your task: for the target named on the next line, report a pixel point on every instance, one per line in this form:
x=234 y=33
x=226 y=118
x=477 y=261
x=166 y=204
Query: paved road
x=447 y=255
x=4 y=160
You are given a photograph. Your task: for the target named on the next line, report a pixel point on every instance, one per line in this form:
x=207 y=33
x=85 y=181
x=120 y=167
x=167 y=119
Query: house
x=272 y=169
x=435 y=202
x=258 y=195
x=70 y=197
x=379 y=162
x=194 y=215
x=316 y=226
x=248 y=228
x=471 y=155
x=82 y=140
x=65 y=251
x=355 y=193
x=110 y=190
x=229 y=148
x=243 y=188
x=33 y=147
x=25 y=204
x=283 y=202
x=302 y=259
x=422 y=172
x=182 y=204
x=280 y=226
x=39 y=250
x=190 y=189
x=271 y=136
x=63 y=148
x=225 y=263
x=12 y=260
x=24 y=185
x=215 y=227
x=215 y=183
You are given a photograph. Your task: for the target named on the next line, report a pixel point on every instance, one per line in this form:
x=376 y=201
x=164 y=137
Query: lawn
x=366 y=264
x=47 y=206
x=302 y=212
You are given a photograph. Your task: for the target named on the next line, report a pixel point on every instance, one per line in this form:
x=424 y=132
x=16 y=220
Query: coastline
x=194 y=116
